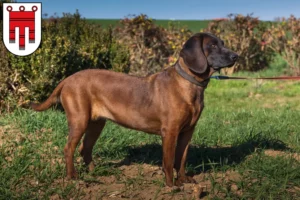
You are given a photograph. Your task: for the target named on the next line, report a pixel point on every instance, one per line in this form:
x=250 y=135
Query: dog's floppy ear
x=193 y=55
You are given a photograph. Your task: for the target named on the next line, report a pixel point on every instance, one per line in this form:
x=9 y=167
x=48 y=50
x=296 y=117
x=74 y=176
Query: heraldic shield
x=22 y=27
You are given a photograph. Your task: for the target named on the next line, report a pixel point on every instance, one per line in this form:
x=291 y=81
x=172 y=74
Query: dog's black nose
x=234 y=57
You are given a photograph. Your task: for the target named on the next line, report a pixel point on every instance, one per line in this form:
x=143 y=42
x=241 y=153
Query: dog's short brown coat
x=164 y=103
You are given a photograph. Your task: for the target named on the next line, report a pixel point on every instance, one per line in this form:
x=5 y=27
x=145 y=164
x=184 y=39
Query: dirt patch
x=9 y=139
x=275 y=153
x=144 y=181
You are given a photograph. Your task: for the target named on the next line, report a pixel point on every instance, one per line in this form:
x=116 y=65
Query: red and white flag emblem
x=22 y=24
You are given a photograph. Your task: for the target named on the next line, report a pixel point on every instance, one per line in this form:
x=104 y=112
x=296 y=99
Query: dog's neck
x=197 y=79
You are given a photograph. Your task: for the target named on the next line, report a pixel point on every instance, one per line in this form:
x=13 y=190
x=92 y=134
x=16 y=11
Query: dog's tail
x=52 y=99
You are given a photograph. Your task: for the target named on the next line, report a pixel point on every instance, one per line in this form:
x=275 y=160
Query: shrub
x=151 y=47
x=283 y=38
x=69 y=44
x=243 y=34
x=6 y=74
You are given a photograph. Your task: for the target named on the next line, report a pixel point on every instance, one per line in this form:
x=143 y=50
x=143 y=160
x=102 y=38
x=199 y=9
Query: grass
x=245 y=146
x=193 y=25
x=104 y=22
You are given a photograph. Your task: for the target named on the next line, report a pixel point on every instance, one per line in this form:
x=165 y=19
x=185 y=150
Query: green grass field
x=193 y=25
x=246 y=146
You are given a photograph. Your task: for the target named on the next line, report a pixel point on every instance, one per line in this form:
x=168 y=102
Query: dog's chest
x=197 y=110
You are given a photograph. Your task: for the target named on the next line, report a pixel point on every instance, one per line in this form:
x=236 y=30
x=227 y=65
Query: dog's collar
x=190 y=78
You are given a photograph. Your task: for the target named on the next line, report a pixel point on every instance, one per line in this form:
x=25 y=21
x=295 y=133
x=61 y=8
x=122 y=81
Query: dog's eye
x=213 y=46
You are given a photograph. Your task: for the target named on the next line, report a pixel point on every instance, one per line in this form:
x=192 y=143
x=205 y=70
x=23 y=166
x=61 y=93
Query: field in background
x=246 y=146
x=193 y=25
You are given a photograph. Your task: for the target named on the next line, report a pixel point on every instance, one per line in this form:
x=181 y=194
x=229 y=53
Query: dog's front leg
x=169 y=139
x=180 y=158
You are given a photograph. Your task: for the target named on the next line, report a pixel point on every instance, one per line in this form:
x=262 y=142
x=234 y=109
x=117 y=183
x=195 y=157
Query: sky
x=172 y=9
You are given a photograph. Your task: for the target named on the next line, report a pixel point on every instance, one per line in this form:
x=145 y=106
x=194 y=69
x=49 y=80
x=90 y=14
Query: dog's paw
x=91 y=166
x=172 y=189
x=189 y=179
x=72 y=176
x=184 y=179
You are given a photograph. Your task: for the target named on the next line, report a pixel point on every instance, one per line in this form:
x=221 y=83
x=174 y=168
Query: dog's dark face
x=205 y=50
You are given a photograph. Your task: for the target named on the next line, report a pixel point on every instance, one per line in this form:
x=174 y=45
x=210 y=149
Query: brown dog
x=168 y=103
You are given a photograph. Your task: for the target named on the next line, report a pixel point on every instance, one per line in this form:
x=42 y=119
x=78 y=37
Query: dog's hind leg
x=92 y=133
x=77 y=126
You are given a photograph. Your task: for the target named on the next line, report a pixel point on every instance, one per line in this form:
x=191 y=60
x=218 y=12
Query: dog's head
x=205 y=50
